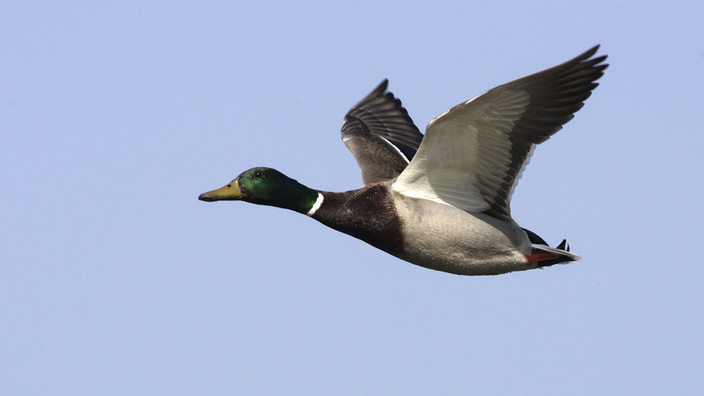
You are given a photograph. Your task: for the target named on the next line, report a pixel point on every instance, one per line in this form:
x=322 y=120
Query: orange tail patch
x=541 y=256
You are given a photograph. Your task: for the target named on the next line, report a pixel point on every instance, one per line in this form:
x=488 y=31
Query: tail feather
x=564 y=245
x=543 y=255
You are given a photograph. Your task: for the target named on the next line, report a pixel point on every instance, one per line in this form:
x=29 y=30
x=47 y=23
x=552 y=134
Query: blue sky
x=115 y=279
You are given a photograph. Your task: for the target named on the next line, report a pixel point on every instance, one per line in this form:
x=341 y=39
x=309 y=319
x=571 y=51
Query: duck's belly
x=445 y=238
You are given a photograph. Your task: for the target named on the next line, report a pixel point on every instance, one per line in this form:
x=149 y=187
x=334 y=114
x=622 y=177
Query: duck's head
x=265 y=186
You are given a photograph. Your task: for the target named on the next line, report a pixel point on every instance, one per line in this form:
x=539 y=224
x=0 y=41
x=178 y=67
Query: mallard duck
x=441 y=200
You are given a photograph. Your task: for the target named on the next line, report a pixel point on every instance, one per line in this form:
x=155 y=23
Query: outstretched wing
x=380 y=135
x=472 y=155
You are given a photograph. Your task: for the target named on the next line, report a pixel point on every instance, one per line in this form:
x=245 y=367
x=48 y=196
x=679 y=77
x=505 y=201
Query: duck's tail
x=544 y=255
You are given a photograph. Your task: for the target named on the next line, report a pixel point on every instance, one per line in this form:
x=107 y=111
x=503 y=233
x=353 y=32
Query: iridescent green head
x=265 y=186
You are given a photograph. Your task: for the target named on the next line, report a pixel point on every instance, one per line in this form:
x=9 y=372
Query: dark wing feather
x=380 y=135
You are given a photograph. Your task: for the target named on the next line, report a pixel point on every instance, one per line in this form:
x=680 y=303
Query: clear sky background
x=116 y=280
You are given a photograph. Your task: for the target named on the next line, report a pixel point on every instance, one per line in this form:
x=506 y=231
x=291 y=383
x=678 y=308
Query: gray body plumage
x=444 y=238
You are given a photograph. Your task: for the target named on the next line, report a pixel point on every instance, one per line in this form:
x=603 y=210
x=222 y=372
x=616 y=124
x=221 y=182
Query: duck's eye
x=257 y=175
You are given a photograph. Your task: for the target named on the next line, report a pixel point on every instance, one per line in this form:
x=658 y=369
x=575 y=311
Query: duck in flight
x=441 y=200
